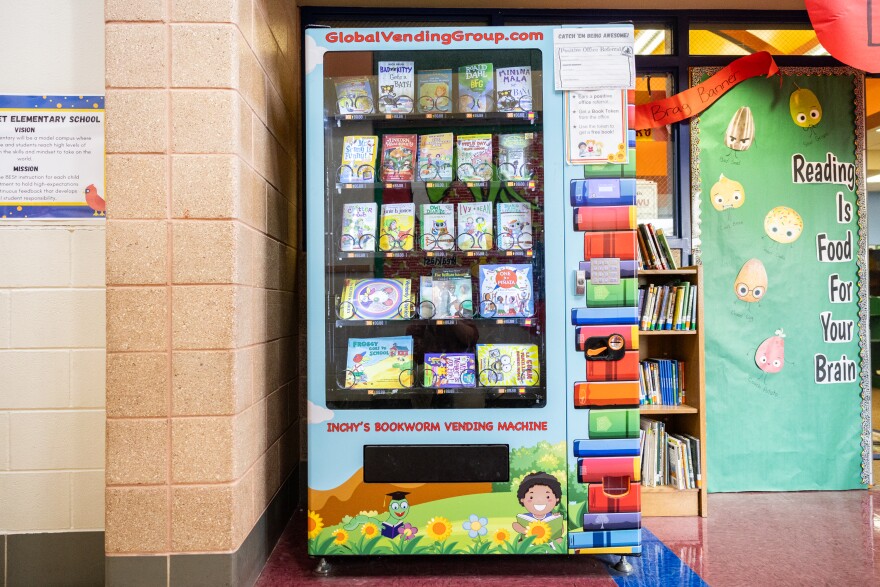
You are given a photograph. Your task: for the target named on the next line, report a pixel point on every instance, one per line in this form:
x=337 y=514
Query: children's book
x=450 y=370
x=435 y=90
x=452 y=294
x=475 y=157
x=397 y=228
x=358 y=159
x=435 y=157
x=354 y=95
x=503 y=365
x=358 y=227
x=513 y=89
x=514 y=226
x=506 y=291
x=379 y=363
x=513 y=157
x=376 y=299
x=398 y=157
x=475 y=88
x=554 y=520
x=438 y=227
x=475 y=226
x=396 y=86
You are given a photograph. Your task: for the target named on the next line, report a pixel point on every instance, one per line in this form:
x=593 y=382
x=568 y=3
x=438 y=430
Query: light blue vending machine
x=469 y=329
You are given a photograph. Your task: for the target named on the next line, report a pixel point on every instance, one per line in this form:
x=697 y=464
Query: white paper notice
x=594 y=58
x=595 y=127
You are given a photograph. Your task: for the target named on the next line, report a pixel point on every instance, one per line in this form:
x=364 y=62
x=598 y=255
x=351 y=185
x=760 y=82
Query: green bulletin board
x=780 y=227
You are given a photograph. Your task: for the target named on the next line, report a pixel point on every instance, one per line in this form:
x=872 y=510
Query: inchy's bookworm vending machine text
x=471 y=303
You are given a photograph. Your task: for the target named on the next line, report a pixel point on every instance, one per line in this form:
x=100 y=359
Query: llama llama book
x=379 y=363
x=508 y=365
x=447 y=370
x=438 y=228
x=514 y=226
x=396 y=87
x=358 y=227
x=476 y=88
x=397 y=227
x=506 y=291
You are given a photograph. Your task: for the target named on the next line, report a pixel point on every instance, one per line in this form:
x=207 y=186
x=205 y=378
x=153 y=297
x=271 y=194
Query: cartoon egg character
x=727 y=193
x=770 y=356
x=741 y=130
x=783 y=225
x=806 y=111
x=751 y=281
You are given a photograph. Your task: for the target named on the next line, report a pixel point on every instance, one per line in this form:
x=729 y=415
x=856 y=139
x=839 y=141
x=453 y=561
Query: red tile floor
x=750 y=539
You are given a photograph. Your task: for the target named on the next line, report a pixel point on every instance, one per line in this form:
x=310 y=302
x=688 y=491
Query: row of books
x=668 y=307
x=669 y=459
x=505 y=291
x=397 y=94
x=387 y=363
x=396 y=231
x=474 y=158
x=654 y=251
x=661 y=382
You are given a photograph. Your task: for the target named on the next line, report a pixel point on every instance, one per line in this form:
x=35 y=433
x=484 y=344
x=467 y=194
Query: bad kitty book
x=438 y=228
x=435 y=157
x=354 y=95
x=514 y=226
x=358 y=227
x=435 y=90
x=475 y=226
x=376 y=299
x=450 y=370
x=503 y=365
x=506 y=291
x=396 y=87
x=358 y=159
x=397 y=227
x=379 y=363
x=476 y=88
x=398 y=157
x=513 y=89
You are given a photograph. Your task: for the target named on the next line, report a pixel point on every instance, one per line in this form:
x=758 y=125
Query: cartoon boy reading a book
x=540 y=493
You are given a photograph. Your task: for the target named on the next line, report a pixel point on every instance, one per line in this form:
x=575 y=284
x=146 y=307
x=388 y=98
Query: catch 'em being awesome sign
x=51 y=157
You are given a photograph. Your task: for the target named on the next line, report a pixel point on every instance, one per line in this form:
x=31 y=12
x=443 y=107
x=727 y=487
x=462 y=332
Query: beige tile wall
x=202 y=189
x=52 y=335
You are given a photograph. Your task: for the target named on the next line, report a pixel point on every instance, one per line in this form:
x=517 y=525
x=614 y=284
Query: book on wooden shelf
x=654 y=250
x=661 y=382
x=667 y=307
x=669 y=459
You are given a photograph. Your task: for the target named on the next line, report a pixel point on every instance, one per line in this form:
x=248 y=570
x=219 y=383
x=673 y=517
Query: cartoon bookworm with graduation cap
x=398 y=508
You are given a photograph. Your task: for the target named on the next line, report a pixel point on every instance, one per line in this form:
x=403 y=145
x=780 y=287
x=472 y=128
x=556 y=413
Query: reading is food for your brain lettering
x=830 y=250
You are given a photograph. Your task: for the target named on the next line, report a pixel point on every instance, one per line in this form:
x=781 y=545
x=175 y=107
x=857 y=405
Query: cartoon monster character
x=540 y=493
x=783 y=225
x=741 y=130
x=750 y=284
x=727 y=193
x=770 y=356
x=393 y=525
x=805 y=109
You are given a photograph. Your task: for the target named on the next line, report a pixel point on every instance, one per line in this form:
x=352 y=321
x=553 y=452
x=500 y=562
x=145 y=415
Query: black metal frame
x=677 y=63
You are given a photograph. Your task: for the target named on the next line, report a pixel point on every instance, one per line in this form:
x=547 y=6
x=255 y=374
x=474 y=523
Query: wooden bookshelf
x=690 y=418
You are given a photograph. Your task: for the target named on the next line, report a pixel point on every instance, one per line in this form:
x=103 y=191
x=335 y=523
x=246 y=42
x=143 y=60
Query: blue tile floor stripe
x=658 y=566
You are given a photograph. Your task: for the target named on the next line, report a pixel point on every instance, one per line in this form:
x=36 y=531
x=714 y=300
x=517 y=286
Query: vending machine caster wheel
x=322 y=569
x=622 y=566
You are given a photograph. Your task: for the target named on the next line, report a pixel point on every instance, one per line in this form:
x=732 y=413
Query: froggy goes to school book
x=379 y=363
x=398 y=157
x=397 y=227
x=435 y=157
x=506 y=291
x=435 y=90
x=358 y=159
x=358 y=227
x=396 y=87
x=476 y=85
x=475 y=226
x=514 y=226
x=508 y=365
x=437 y=227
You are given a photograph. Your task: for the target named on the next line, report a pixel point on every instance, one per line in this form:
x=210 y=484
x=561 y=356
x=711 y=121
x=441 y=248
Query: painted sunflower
x=540 y=530
x=500 y=536
x=315 y=524
x=438 y=528
x=340 y=536
x=370 y=530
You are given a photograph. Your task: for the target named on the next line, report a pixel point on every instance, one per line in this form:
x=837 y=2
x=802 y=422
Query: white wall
x=52 y=311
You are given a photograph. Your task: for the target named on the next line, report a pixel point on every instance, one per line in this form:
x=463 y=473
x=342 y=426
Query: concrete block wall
x=202 y=247
x=51 y=378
